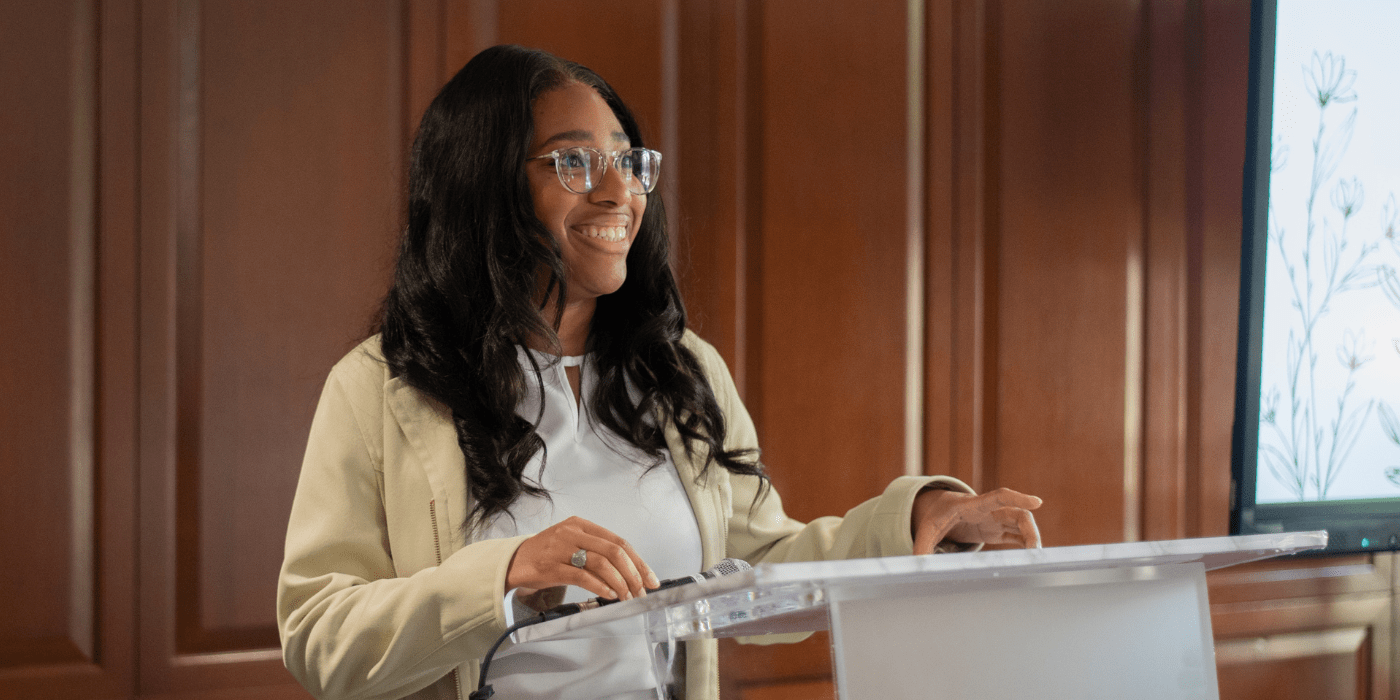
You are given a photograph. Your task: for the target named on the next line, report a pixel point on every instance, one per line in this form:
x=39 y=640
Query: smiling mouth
x=612 y=234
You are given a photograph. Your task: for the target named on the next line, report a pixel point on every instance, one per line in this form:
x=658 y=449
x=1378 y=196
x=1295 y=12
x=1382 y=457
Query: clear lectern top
x=783 y=598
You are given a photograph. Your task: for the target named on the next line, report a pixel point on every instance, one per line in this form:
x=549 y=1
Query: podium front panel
x=1141 y=633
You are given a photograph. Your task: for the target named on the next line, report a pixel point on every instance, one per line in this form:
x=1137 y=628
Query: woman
x=534 y=414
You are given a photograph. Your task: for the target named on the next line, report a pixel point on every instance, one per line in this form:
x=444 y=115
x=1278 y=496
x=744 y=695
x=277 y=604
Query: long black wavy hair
x=466 y=289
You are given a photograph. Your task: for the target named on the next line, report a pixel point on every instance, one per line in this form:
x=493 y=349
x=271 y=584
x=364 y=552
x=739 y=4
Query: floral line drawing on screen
x=1391 y=425
x=1390 y=284
x=1386 y=275
x=1305 y=439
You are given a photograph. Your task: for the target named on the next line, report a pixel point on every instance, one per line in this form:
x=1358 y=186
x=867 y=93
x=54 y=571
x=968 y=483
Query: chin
x=604 y=287
x=609 y=289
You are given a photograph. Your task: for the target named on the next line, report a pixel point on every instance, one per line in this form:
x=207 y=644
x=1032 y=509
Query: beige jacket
x=383 y=595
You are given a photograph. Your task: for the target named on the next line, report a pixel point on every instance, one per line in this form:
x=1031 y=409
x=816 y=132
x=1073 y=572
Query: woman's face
x=594 y=230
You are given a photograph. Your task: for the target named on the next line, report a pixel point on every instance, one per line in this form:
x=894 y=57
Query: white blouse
x=592 y=473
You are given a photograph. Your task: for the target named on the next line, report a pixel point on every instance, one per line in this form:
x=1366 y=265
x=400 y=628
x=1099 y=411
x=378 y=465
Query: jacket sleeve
x=759 y=529
x=350 y=627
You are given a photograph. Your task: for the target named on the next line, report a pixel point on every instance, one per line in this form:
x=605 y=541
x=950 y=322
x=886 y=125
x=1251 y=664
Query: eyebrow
x=581 y=135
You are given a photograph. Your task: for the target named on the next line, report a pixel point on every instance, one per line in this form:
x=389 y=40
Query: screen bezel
x=1263 y=23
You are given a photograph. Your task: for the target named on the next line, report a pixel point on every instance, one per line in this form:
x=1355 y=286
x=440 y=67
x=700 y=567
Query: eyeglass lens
x=581 y=168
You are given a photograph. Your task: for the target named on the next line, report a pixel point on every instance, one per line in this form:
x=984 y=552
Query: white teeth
x=606 y=233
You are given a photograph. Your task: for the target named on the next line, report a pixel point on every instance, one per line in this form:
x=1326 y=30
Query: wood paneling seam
x=82 y=318
x=915 y=282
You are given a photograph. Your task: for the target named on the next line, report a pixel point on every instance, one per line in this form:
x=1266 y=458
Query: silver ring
x=580 y=558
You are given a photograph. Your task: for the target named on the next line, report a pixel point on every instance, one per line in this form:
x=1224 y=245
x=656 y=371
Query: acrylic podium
x=1101 y=621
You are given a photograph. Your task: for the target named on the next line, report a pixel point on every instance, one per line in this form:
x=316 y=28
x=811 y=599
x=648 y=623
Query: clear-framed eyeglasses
x=581 y=168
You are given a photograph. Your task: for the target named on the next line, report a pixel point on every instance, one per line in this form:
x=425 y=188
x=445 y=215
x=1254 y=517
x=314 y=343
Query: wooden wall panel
x=958 y=117
x=1214 y=261
x=1306 y=628
x=46 y=283
x=717 y=62
x=808 y=690
x=65 y=280
x=288 y=176
x=623 y=40
x=1193 y=122
x=1158 y=265
x=1066 y=182
x=834 y=235
x=271 y=182
x=1323 y=647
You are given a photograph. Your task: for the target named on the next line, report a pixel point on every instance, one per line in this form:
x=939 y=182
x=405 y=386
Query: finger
x=653 y=582
x=638 y=575
x=1026 y=525
x=927 y=535
x=613 y=563
x=644 y=572
x=570 y=575
x=1015 y=526
x=604 y=571
x=1004 y=498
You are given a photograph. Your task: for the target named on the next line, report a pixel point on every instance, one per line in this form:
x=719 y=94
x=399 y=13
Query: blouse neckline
x=546 y=359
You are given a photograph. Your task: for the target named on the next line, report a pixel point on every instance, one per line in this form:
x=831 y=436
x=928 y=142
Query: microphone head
x=726 y=567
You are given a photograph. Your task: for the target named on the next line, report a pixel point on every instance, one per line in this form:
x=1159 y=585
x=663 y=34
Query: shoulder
x=351 y=407
x=363 y=369
x=706 y=353
x=711 y=364
x=360 y=379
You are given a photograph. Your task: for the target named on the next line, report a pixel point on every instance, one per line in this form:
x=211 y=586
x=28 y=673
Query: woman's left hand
x=1002 y=516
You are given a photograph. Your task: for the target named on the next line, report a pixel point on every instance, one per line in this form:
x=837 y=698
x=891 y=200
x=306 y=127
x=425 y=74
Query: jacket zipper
x=437 y=545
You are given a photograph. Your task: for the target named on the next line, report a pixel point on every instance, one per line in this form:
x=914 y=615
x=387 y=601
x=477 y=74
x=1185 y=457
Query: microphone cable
x=484 y=691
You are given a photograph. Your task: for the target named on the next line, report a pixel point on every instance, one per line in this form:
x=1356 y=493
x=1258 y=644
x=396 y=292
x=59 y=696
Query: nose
x=612 y=188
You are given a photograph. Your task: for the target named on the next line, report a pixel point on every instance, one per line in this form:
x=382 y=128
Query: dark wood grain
x=66 y=281
x=272 y=171
x=47 y=287
x=1068 y=200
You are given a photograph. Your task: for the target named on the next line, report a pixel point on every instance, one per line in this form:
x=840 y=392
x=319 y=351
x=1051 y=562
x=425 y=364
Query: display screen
x=1329 y=403
x=1317 y=422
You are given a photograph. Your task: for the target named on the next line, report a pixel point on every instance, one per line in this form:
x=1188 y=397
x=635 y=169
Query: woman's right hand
x=613 y=569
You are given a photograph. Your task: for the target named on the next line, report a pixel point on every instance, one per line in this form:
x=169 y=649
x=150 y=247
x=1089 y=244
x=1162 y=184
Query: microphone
x=724 y=568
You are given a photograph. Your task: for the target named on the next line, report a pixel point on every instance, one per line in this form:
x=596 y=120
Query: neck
x=573 y=327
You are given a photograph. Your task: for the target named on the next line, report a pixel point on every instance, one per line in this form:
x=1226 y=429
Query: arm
x=759 y=530
x=923 y=514
x=350 y=627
